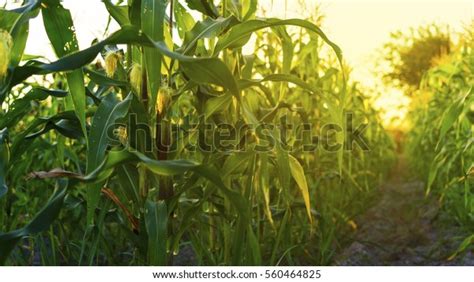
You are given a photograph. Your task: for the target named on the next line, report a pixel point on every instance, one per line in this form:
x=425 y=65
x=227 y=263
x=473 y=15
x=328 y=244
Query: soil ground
x=404 y=228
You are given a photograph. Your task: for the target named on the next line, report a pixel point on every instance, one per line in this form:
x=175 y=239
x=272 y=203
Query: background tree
x=408 y=55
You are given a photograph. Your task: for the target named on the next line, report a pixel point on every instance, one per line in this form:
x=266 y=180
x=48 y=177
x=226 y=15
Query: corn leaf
x=60 y=30
x=153 y=13
x=233 y=39
x=156 y=220
x=101 y=131
x=159 y=167
x=204 y=6
x=246 y=83
x=200 y=70
x=217 y=104
x=297 y=171
x=40 y=223
x=5 y=157
x=118 y=13
x=452 y=114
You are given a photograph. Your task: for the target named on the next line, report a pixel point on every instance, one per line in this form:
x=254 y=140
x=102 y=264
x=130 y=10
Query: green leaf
x=200 y=70
x=207 y=28
x=8 y=19
x=103 y=124
x=22 y=106
x=452 y=113
x=184 y=21
x=159 y=167
x=211 y=71
x=141 y=141
x=19 y=30
x=217 y=104
x=40 y=223
x=204 y=6
x=468 y=241
x=236 y=163
x=60 y=29
x=265 y=187
x=134 y=12
x=19 y=145
x=156 y=221
x=281 y=230
x=251 y=9
x=153 y=14
x=20 y=36
x=128 y=179
x=68 y=127
x=283 y=165
x=246 y=83
x=298 y=174
x=438 y=162
x=245 y=29
x=287 y=48
x=254 y=247
x=118 y=13
x=4 y=159
x=103 y=80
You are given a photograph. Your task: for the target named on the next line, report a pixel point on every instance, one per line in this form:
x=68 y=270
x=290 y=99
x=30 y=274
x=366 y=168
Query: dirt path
x=403 y=228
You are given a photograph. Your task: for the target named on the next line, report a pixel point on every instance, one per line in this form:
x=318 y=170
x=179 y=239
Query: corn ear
x=163 y=99
x=111 y=62
x=136 y=77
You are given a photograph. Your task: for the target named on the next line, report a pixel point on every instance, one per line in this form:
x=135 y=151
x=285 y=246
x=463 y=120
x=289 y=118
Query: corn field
x=164 y=143
x=441 y=144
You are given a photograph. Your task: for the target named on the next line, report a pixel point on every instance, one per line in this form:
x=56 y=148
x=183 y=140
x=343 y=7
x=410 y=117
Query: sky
x=359 y=27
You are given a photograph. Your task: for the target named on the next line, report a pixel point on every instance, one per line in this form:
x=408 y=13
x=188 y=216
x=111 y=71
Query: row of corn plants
x=164 y=143
x=440 y=143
